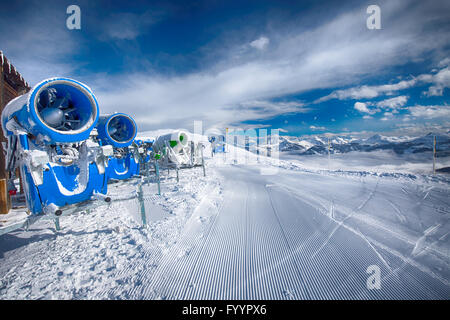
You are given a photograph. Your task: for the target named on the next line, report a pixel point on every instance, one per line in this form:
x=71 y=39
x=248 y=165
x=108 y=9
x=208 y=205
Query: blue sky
x=306 y=67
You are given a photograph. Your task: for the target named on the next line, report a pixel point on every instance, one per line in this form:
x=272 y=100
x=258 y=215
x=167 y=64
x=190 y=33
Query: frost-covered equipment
x=196 y=153
x=119 y=131
x=173 y=148
x=148 y=159
x=145 y=149
x=217 y=144
x=47 y=131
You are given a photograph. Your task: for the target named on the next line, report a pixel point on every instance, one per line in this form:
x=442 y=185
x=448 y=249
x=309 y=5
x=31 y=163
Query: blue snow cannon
x=217 y=143
x=47 y=131
x=57 y=110
x=119 y=130
x=145 y=149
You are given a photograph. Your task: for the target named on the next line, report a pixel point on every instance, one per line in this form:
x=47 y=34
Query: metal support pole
x=203 y=162
x=142 y=204
x=434 y=155
x=57 y=225
x=235 y=149
x=192 y=153
x=257 y=146
x=178 y=178
x=147 y=168
x=329 y=146
x=157 y=176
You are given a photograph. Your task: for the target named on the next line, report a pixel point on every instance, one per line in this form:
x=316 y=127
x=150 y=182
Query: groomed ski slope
x=237 y=234
x=266 y=242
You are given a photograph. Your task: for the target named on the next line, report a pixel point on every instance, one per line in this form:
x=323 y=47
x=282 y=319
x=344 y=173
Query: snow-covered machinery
x=173 y=148
x=47 y=131
x=196 y=153
x=177 y=150
x=145 y=150
x=119 y=130
x=217 y=143
x=147 y=158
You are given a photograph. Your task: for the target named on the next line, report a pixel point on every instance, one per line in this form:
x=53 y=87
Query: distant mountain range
x=343 y=144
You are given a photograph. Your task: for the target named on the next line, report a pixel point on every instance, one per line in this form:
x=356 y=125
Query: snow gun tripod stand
x=186 y=161
x=86 y=206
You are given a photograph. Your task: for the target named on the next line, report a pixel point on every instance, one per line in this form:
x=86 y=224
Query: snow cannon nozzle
x=61 y=110
x=176 y=140
x=118 y=130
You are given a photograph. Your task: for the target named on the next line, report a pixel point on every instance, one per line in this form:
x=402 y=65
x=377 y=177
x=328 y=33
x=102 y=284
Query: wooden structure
x=12 y=85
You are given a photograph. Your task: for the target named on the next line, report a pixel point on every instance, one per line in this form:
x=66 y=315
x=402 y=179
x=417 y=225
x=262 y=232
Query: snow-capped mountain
x=288 y=144
x=343 y=144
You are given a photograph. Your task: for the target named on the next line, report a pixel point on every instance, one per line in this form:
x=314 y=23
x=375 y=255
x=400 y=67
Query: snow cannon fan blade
x=118 y=130
x=59 y=111
x=66 y=108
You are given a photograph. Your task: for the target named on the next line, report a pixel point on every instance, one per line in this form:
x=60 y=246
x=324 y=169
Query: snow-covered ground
x=301 y=233
x=375 y=161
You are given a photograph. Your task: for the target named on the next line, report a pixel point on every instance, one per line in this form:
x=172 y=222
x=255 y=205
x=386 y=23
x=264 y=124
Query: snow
x=382 y=161
x=305 y=232
x=95 y=251
x=81 y=182
x=13 y=106
x=305 y=144
x=342 y=144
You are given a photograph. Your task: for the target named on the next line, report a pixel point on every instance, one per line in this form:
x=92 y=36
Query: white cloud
x=430 y=112
x=46 y=39
x=368 y=92
x=362 y=107
x=224 y=98
x=444 y=63
x=317 y=128
x=336 y=52
x=259 y=109
x=406 y=118
x=387 y=116
x=393 y=103
x=440 y=81
x=128 y=26
x=260 y=43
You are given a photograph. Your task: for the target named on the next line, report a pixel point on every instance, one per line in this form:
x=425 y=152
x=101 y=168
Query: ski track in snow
x=236 y=234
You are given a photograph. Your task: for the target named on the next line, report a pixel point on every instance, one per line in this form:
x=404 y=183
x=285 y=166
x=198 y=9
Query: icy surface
x=303 y=233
